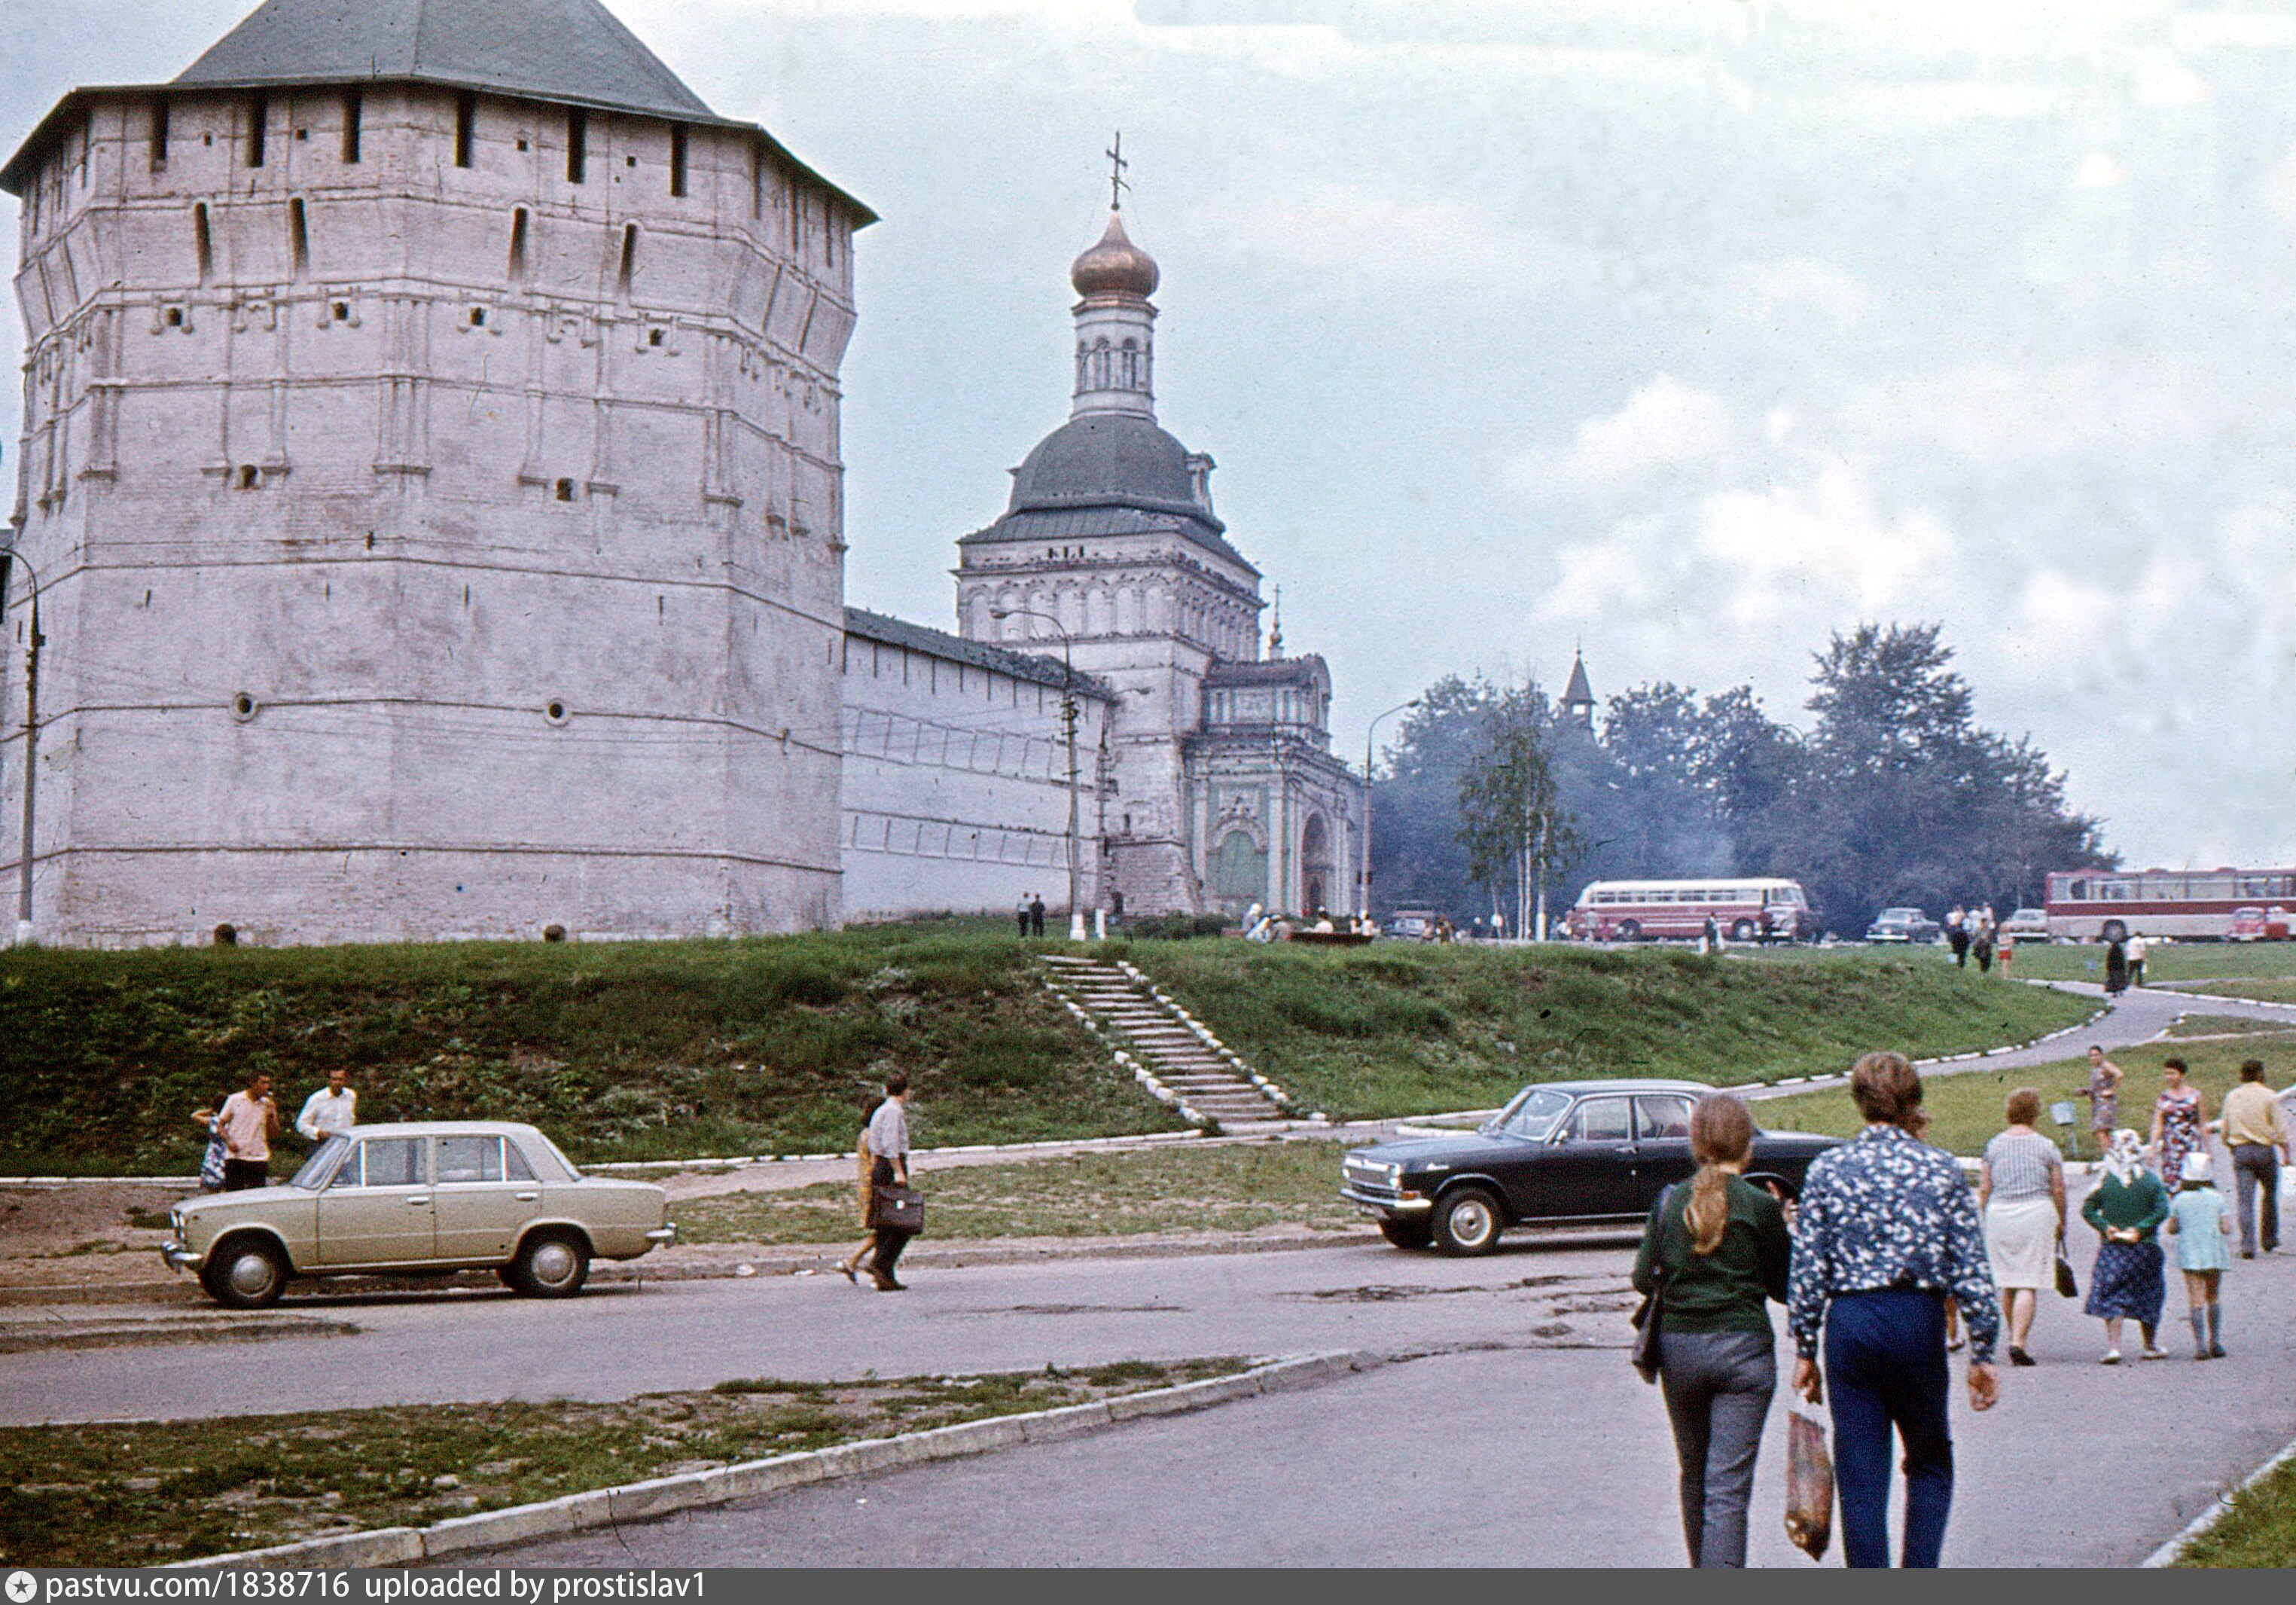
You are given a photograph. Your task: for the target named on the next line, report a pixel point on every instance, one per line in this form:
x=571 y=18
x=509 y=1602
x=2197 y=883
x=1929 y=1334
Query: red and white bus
x=2226 y=905
x=1747 y=908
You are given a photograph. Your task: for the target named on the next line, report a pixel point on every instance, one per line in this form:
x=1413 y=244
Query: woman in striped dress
x=2177 y=1118
x=2020 y=1192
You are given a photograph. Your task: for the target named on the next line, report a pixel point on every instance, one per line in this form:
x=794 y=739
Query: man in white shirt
x=332 y=1109
x=888 y=1142
x=2136 y=949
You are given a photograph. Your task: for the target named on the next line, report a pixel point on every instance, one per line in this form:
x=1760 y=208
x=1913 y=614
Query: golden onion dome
x=1115 y=266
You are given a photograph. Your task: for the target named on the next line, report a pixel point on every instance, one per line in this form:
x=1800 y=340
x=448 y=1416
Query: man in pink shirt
x=250 y=1121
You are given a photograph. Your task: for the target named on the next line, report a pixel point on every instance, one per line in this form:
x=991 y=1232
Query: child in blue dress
x=2202 y=1224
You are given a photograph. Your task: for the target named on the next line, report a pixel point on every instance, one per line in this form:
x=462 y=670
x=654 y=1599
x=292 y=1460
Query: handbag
x=1810 y=1485
x=1651 y=1316
x=898 y=1209
x=2067 y=1287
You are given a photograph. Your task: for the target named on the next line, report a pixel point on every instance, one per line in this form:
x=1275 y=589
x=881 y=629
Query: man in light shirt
x=888 y=1141
x=2136 y=949
x=249 y=1120
x=2256 y=1133
x=334 y=1108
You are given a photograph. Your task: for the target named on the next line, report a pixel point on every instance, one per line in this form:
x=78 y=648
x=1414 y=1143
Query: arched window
x=1084 y=366
x=1131 y=365
x=1099 y=365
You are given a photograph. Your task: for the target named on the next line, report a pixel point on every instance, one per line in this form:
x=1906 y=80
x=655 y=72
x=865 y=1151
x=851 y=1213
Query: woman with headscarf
x=2116 y=969
x=2126 y=1209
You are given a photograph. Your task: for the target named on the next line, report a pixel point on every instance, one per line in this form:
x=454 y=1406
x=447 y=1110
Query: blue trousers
x=1885 y=1369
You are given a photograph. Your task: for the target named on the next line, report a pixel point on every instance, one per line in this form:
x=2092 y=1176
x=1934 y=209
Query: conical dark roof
x=1578 y=694
x=559 y=50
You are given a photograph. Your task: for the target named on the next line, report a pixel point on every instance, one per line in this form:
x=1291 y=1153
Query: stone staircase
x=1169 y=1051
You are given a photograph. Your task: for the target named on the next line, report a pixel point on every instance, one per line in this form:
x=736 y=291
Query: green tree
x=1512 y=817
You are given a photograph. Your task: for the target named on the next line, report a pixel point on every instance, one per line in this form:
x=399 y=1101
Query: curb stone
x=2172 y=1551
x=663 y=1495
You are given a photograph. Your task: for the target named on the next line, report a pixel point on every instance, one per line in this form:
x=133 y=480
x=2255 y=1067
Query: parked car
x=423 y=1198
x=2027 y=924
x=2259 y=924
x=1576 y=1153
x=1903 y=925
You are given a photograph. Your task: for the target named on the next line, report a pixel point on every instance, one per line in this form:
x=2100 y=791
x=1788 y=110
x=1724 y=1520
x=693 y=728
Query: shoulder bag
x=1651 y=1315
x=2066 y=1286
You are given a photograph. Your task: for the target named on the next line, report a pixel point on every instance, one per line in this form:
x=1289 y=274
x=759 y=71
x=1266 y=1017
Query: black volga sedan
x=1561 y=1153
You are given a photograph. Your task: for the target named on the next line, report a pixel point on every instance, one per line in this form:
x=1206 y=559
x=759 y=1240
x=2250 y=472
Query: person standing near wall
x=1887 y=1230
x=332 y=1109
x=250 y=1121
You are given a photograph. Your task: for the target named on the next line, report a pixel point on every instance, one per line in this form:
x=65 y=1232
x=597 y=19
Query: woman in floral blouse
x=2178 y=1114
x=1886 y=1233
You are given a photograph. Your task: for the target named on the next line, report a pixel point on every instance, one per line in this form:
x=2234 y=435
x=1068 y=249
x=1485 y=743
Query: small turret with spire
x=1578 y=703
x=1115 y=321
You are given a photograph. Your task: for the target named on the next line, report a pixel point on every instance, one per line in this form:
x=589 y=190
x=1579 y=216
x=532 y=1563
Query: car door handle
x=418 y=1202
x=526 y=1197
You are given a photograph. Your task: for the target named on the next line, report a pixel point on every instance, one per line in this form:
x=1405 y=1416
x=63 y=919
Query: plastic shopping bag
x=1810 y=1485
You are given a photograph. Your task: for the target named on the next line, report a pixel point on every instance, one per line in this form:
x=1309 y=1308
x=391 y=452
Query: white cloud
x=1665 y=425
x=1823 y=548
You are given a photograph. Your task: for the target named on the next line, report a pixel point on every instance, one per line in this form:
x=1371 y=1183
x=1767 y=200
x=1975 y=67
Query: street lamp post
x=1363 y=880
x=31 y=751
x=1069 y=722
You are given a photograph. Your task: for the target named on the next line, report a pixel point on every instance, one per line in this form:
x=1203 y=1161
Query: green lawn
x=2176 y=961
x=143 y=1493
x=1965 y=1108
x=2259 y=1529
x=2276 y=989
x=627 y=1051
x=1408 y=1029
x=1163 y=1187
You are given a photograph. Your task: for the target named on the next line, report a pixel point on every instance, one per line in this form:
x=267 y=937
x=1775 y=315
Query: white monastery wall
x=430 y=550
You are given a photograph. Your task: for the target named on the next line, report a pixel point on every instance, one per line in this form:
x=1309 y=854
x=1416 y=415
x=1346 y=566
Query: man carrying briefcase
x=897 y=1212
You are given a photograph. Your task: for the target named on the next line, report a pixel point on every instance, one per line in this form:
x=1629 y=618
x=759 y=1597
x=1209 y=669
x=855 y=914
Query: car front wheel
x=1631 y=930
x=1406 y=1234
x=549 y=1264
x=250 y=1274
x=1468 y=1222
x=1742 y=931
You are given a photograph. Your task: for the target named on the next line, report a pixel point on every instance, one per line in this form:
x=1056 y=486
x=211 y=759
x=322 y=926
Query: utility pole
x=1363 y=874
x=1069 y=711
x=31 y=750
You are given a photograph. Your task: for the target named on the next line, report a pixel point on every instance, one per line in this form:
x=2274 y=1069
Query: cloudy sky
x=1688 y=329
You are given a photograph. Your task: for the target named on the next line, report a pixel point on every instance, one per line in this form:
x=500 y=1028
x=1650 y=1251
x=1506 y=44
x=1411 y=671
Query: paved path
x=1558 y=1457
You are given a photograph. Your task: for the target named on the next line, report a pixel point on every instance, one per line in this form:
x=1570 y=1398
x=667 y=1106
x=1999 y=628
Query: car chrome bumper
x=178 y=1257
x=663 y=1236
x=1386 y=1203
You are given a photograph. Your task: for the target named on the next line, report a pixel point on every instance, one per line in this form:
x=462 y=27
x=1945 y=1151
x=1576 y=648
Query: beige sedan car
x=432 y=1197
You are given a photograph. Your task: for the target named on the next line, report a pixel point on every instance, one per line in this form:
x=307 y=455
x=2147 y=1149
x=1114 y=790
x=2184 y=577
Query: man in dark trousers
x=888 y=1145
x=1035 y=914
x=1021 y=913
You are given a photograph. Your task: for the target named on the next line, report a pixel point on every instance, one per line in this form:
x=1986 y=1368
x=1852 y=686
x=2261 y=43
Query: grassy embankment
x=1965 y=1108
x=1400 y=1030
x=625 y=1051
x=2259 y=1529
x=2171 y=963
x=147 y=1493
x=682 y=1049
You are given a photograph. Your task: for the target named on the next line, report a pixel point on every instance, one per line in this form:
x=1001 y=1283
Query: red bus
x=1746 y=909
x=2223 y=905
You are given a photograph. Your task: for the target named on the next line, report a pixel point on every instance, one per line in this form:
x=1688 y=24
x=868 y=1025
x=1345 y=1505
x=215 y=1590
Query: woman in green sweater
x=2126 y=1209
x=1718 y=1247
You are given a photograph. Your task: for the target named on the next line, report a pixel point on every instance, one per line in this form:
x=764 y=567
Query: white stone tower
x=432 y=461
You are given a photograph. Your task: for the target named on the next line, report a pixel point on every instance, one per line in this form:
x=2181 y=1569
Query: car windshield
x=320 y=1165
x=1533 y=1116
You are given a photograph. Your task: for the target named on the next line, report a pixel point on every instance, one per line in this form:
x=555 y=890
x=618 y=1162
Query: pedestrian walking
x=889 y=1165
x=213 y=1153
x=2103 y=1095
x=2199 y=1222
x=2179 y=1117
x=2116 y=969
x=2126 y=1207
x=2020 y=1192
x=1035 y=914
x=1885 y=1233
x=1956 y=936
x=864 y=1164
x=1718 y=1246
x=2006 y=954
x=1980 y=948
x=332 y=1109
x=1710 y=935
x=1021 y=913
x=2136 y=949
x=2256 y=1133
x=249 y=1120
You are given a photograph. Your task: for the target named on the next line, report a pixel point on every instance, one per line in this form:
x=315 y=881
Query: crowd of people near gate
x=1888 y=1254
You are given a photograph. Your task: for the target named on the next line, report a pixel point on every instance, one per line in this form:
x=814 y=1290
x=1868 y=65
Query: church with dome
x=429 y=525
